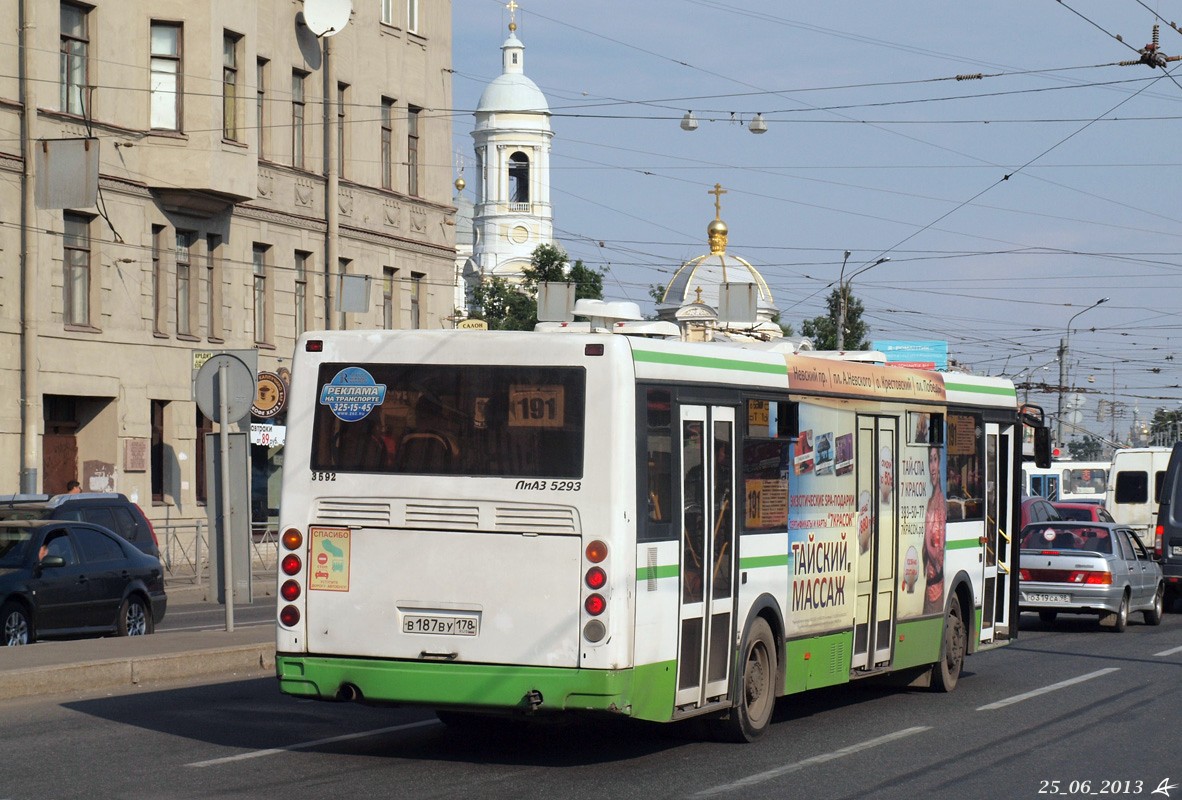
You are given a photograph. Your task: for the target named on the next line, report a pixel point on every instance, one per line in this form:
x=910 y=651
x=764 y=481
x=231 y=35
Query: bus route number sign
x=536 y=406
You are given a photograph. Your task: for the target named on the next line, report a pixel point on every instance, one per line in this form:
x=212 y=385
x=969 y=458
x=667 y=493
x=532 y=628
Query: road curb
x=251 y=659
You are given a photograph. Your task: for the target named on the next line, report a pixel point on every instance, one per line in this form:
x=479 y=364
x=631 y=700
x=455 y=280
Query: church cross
x=512 y=6
x=717 y=191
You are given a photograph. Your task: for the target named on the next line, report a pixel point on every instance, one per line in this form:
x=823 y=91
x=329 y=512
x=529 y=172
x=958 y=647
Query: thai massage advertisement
x=921 y=525
x=822 y=523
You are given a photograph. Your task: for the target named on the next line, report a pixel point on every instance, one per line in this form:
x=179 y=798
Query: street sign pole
x=224 y=442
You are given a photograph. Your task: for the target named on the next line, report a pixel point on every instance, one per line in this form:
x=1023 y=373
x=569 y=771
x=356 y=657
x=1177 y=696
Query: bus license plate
x=1048 y=598
x=441 y=625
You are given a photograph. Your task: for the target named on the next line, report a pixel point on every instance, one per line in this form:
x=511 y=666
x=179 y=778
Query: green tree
x=823 y=329
x=1166 y=427
x=507 y=306
x=1089 y=448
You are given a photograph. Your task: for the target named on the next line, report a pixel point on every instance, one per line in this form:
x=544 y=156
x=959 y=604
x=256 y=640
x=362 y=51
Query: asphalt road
x=1072 y=704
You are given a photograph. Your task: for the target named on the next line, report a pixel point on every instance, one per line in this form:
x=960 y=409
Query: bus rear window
x=522 y=422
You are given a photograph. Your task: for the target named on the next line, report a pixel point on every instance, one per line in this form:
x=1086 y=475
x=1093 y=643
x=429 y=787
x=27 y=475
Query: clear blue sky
x=874 y=146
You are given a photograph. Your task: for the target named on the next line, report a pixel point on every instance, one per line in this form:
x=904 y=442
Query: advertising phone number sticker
x=352 y=394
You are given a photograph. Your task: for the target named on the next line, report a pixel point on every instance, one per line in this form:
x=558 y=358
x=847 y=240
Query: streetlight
x=844 y=289
x=1063 y=370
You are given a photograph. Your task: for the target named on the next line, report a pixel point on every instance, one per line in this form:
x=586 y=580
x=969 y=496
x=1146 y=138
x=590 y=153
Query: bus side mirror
x=1042 y=447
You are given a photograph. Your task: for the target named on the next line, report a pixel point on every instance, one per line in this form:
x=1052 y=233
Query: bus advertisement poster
x=821 y=533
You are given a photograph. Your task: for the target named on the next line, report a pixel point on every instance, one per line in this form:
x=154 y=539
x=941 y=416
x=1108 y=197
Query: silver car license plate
x=1048 y=598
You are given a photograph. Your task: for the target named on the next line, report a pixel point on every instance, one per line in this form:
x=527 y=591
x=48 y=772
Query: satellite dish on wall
x=326 y=17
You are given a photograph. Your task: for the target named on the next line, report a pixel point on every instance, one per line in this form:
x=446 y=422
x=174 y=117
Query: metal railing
x=184 y=549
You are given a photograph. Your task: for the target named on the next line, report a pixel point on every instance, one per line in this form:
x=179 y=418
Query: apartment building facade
x=249 y=174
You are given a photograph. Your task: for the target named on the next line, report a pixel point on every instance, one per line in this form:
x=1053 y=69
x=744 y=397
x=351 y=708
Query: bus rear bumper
x=474 y=686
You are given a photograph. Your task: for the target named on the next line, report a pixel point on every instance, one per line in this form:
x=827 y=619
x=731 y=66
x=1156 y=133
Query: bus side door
x=874 y=610
x=707 y=447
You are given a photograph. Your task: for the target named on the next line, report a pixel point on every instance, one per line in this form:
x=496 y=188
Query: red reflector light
x=1023 y=575
x=292 y=539
x=596 y=578
x=314 y=346
x=290 y=615
x=595 y=605
x=593 y=350
x=290 y=590
x=596 y=552
x=291 y=564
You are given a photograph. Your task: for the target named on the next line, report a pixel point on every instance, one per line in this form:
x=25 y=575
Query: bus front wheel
x=749 y=718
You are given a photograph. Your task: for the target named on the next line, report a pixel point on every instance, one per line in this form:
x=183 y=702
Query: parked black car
x=108 y=509
x=60 y=578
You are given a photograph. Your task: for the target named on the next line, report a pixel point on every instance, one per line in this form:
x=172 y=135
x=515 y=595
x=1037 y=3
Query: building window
x=76 y=258
x=417 y=286
x=387 y=143
x=166 y=76
x=297 y=118
x=230 y=44
x=75 y=44
x=387 y=12
x=159 y=281
x=412 y=151
x=389 y=296
x=342 y=94
x=213 y=287
x=184 y=282
x=204 y=426
x=301 y=291
x=260 y=105
x=158 y=450
x=519 y=178
x=259 y=256
x=412 y=16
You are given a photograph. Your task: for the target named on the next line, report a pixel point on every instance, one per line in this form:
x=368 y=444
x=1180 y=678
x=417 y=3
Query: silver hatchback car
x=1089 y=568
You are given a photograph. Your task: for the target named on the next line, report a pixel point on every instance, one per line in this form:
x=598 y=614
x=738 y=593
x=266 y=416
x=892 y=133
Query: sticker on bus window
x=536 y=406
x=352 y=394
x=328 y=567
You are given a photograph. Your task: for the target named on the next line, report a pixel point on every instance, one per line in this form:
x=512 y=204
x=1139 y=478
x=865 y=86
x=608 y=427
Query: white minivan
x=1134 y=488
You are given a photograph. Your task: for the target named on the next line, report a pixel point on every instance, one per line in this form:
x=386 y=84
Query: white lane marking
x=218 y=626
x=1169 y=652
x=305 y=745
x=1018 y=698
x=771 y=774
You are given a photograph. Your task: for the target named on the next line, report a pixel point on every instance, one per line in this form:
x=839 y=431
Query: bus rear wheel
x=749 y=718
x=946 y=672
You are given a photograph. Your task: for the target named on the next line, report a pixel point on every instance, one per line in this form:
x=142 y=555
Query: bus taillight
x=291 y=564
x=595 y=604
x=289 y=616
x=292 y=539
x=290 y=590
x=596 y=578
x=596 y=552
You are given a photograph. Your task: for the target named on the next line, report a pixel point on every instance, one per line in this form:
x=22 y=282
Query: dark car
x=1038 y=509
x=1167 y=533
x=1085 y=511
x=60 y=578
x=109 y=509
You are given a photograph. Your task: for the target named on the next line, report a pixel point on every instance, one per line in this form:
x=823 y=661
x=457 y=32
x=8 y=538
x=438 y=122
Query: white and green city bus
x=490 y=523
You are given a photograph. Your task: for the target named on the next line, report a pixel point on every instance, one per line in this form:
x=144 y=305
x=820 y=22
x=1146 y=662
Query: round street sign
x=240 y=381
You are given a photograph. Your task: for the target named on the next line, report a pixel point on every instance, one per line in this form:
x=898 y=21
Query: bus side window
x=659 y=455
